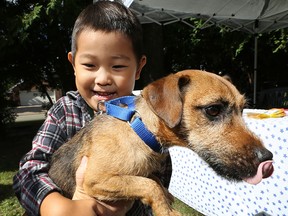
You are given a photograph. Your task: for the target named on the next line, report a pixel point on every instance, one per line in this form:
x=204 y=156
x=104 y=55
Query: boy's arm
x=36 y=191
x=57 y=205
x=32 y=183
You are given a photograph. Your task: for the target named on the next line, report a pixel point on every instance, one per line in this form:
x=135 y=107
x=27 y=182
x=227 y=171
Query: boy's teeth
x=103 y=93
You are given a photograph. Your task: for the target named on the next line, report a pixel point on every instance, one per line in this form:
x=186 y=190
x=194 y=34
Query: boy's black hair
x=109 y=16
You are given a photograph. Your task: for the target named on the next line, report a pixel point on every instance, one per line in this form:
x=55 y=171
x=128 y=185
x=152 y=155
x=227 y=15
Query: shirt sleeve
x=31 y=183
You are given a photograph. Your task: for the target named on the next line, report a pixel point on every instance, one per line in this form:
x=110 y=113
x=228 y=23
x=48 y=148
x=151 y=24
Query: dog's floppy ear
x=165 y=98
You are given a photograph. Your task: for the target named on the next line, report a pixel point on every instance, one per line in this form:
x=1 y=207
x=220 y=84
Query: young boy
x=107 y=58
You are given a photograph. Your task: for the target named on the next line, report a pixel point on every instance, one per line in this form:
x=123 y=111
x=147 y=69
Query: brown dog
x=194 y=109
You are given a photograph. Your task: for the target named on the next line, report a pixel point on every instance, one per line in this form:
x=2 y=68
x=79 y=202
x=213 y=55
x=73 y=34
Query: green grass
x=9 y=205
x=16 y=143
x=185 y=209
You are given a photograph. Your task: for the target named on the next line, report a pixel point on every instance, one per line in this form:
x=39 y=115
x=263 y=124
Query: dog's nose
x=263 y=154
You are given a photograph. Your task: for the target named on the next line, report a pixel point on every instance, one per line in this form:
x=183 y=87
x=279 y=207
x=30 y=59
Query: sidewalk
x=30 y=113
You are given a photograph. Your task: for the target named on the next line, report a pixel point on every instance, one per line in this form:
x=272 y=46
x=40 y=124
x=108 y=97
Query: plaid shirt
x=32 y=183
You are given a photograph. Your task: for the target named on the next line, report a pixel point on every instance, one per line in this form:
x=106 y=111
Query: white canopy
x=251 y=16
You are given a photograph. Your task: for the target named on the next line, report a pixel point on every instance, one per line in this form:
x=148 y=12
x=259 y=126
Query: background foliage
x=35 y=40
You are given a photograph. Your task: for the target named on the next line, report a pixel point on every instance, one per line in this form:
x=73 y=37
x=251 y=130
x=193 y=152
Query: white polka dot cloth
x=197 y=185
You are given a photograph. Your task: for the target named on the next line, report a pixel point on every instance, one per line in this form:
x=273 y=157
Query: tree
x=8 y=26
x=219 y=50
x=34 y=42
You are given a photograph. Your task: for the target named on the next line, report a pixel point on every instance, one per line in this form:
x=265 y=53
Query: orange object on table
x=271 y=113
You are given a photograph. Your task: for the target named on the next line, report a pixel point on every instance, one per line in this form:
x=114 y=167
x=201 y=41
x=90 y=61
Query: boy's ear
x=70 y=58
x=140 y=67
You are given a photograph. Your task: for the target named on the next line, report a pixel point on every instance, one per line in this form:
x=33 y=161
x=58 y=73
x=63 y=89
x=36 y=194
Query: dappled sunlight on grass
x=9 y=205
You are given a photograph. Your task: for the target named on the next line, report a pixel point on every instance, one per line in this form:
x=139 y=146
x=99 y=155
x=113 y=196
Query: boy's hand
x=55 y=204
x=79 y=193
x=118 y=208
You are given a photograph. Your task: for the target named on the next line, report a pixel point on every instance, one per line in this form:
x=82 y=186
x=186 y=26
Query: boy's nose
x=103 y=77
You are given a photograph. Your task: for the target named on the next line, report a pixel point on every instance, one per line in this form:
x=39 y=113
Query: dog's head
x=205 y=110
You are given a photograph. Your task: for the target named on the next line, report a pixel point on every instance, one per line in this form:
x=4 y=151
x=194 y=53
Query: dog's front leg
x=130 y=187
x=168 y=195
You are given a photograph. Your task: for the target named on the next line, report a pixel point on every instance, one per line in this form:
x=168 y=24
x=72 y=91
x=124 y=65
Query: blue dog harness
x=114 y=109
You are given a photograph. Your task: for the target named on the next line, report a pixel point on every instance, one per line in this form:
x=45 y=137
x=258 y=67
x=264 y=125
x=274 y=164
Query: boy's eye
x=88 y=65
x=119 y=66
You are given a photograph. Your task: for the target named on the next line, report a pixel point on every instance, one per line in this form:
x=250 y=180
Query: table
x=197 y=185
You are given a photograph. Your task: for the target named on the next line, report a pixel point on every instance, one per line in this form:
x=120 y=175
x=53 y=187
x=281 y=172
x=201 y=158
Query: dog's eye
x=213 y=110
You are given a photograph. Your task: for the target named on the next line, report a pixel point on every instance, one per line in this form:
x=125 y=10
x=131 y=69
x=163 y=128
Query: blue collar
x=114 y=109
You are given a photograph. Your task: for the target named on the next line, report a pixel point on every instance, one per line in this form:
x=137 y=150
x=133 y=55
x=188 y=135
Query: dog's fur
x=194 y=109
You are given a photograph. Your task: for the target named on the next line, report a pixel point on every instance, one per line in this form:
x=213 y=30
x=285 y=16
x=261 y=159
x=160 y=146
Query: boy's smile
x=104 y=95
x=105 y=66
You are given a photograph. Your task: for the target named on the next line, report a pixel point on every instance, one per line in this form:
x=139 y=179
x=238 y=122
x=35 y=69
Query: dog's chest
x=117 y=148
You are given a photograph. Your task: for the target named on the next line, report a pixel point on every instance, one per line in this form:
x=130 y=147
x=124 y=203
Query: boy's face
x=105 y=66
